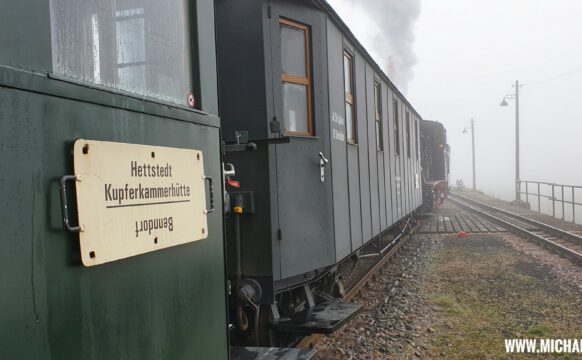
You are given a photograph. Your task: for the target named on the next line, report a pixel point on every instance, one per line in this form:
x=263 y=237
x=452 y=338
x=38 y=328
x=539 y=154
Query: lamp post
x=504 y=103
x=473 y=151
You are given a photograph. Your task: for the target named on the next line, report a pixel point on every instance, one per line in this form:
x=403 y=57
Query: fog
x=468 y=55
x=389 y=32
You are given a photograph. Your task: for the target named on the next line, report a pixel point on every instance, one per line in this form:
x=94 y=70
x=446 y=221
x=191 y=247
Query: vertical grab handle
x=322 y=163
x=64 y=208
x=211 y=194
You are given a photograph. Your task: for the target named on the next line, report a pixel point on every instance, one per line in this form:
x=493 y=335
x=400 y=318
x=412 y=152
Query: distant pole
x=517 y=182
x=473 y=146
x=504 y=103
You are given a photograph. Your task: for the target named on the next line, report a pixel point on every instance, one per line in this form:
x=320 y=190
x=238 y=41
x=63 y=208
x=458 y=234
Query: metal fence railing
x=557 y=200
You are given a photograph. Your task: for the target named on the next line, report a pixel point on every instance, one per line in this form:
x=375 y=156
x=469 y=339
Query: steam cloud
x=386 y=28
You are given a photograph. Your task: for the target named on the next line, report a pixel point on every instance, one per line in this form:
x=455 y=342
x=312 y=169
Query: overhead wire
x=569 y=72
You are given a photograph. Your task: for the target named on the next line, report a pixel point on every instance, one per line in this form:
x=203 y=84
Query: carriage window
x=408 y=133
x=396 y=129
x=349 y=97
x=296 y=78
x=378 y=115
x=137 y=46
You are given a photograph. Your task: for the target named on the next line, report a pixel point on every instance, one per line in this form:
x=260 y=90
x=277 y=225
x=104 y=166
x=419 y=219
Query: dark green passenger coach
x=124 y=71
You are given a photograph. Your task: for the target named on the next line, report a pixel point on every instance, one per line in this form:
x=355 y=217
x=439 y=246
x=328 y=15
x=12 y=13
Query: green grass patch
x=485 y=292
x=448 y=303
x=540 y=330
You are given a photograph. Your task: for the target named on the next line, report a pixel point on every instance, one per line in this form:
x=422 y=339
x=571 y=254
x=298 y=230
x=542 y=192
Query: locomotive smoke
x=393 y=34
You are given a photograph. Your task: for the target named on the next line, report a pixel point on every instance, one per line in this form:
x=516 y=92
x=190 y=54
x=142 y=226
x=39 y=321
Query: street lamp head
x=503 y=103
x=464 y=130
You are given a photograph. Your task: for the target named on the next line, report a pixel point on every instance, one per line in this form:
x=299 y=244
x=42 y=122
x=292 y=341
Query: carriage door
x=302 y=173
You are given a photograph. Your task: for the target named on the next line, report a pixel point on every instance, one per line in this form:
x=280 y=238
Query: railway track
x=358 y=286
x=560 y=241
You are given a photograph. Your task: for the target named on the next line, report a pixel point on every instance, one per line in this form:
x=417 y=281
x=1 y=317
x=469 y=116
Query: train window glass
x=350 y=122
x=396 y=128
x=137 y=46
x=408 y=133
x=293 y=51
x=378 y=116
x=349 y=97
x=295 y=107
x=130 y=36
x=347 y=73
x=296 y=78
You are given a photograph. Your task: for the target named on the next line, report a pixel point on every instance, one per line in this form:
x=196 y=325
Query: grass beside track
x=484 y=291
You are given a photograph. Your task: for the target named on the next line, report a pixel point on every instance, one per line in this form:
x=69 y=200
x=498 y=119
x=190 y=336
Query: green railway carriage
x=139 y=72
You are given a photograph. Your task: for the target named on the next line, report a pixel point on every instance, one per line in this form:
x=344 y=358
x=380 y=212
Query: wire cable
x=570 y=72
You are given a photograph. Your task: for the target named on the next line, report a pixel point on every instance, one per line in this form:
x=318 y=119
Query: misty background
x=456 y=59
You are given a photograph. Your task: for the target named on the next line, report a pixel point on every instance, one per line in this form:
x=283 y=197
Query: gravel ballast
x=459 y=298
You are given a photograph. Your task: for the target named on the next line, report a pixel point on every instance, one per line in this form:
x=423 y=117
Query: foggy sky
x=469 y=53
x=389 y=33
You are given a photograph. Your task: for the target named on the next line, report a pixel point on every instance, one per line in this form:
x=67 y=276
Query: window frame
x=298 y=80
x=378 y=115
x=349 y=98
x=395 y=123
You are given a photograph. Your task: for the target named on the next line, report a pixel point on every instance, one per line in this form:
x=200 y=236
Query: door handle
x=322 y=163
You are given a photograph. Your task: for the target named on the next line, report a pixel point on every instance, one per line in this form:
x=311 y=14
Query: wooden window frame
x=378 y=115
x=298 y=80
x=395 y=122
x=349 y=97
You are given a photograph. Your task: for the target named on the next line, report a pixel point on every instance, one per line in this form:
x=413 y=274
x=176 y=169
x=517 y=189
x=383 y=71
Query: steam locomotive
x=179 y=173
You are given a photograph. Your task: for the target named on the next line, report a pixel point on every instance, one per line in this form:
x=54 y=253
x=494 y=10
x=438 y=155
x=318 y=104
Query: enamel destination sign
x=134 y=199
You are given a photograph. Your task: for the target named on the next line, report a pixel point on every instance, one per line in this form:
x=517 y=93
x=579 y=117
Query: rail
x=542 y=239
x=547 y=194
